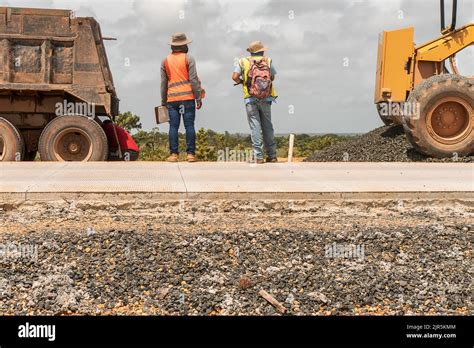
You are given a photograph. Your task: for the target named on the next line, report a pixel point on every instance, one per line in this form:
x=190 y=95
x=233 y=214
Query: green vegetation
x=211 y=146
x=129 y=121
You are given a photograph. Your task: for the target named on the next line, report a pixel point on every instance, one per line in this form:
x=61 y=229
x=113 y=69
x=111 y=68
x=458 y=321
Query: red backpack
x=259 y=81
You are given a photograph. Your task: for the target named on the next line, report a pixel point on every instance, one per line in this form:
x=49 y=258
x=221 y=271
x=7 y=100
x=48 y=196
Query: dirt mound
x=384 y=144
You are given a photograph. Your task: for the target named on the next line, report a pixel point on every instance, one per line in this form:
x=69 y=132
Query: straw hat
x=179 y=39
x=256 y=46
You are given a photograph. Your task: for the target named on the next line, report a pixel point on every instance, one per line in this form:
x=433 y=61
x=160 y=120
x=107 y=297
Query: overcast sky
x=324 y=53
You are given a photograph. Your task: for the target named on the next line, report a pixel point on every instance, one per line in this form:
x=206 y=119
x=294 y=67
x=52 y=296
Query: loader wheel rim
x=2 y=148
x=449 y=120
x=72 y=144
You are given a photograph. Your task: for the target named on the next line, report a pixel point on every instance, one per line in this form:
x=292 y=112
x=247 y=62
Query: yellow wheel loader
x=415 y=88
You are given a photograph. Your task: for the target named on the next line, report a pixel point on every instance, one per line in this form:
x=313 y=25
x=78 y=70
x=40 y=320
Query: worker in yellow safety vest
x=256 y=73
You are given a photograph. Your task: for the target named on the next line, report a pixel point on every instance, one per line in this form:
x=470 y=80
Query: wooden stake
x=290 y=148
x=272 y=301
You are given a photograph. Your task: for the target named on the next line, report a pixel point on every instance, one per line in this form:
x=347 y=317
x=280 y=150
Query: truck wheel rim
x=72 y=145
x=2 y=149
x=449 y=120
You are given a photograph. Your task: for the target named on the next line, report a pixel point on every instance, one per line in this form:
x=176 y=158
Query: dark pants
x=187 y=110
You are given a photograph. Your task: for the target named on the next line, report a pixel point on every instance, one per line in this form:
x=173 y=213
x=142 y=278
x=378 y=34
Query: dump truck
x=415 y=88
x=57 y=95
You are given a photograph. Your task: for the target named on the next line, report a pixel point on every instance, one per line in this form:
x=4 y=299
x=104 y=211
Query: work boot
x=271 y=160
x=260 y=161
x=191 y=158
x=172 y=158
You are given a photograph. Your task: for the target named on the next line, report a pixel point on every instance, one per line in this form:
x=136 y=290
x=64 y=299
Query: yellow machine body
x=394 y=52
x=401 y=66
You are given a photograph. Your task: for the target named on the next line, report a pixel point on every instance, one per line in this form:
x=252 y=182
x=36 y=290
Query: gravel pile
x=384 y=144
x=189 y=258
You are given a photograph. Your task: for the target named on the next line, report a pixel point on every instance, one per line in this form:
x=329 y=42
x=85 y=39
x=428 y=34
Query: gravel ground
x=213 y=257
x=384 y=144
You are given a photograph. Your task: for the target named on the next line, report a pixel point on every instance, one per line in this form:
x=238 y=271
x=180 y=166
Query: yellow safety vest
x=245 y=66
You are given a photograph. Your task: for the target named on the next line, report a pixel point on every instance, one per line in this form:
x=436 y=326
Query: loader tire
x=443 y=123
x=11 y=142
x=73 y=138
x=390 y=117
x=387 y=120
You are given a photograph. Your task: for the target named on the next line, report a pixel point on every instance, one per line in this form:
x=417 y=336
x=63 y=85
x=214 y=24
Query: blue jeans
x=186 y=109
x=259 y=115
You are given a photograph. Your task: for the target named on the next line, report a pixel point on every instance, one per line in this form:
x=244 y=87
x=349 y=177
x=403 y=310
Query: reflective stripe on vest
x=179 y=86
x=245 y=66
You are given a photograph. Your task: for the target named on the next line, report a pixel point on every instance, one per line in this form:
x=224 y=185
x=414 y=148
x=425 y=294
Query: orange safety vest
x=179 y=86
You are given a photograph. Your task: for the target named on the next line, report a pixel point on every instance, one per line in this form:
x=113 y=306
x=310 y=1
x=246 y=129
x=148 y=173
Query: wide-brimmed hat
x=256 y=46
x=179 y=39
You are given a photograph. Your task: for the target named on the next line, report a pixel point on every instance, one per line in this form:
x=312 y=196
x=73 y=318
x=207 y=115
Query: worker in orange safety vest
x=181 y=92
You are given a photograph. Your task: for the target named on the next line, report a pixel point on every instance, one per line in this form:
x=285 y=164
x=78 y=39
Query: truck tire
x=73 y=138
x=11 y=142
x=443 y=125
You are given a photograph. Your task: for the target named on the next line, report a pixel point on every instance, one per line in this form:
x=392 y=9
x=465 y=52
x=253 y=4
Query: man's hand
x=198 y=104
x=236 y=78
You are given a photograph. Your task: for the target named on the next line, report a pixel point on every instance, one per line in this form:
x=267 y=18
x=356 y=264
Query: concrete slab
x=20 y=176
x=160 y=180
x=12 y=197
x=94 y=177
x=328 y=177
